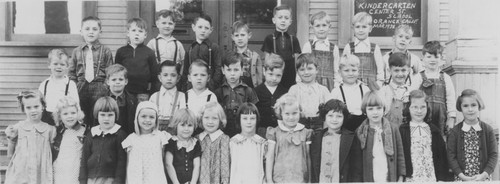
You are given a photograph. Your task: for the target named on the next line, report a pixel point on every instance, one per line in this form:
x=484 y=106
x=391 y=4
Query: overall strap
x=65 y=91
x=313 y=44
x=372 y=48
x=175 y=53
x=423 y=75
x=332 y=46
x=343 y=95
x=361 y=90
x=157 y=50
x=351 y=45
x=45 y=88
x=186 y=97
x=208 y=97
x=274 y=43
x=175 y=103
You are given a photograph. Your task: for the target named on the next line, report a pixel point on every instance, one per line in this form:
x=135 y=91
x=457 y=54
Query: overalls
x=325 y=65
x=395 y=114
x=367 y=66
x=435 y=89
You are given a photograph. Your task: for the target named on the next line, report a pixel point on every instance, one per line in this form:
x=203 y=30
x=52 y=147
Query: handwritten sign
x=388 y=14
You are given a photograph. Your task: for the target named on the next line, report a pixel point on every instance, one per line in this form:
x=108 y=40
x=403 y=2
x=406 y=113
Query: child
x=287 y=159
x=395 y=94
x=165 y=45
x=139 y=60
x=89 y=62
x=438 y=87
x=199 y=95
x=67 y=148
x=205 y=50
x=58 y=84
x=168 y=99
x=233 y=92
x=383 y=157
x=214 y=163
x=472 y=144
x=402 y=39
x=252 y=65
x=183 y=151
x=351 y=91
x=116 y=79
x=371 y=68
x=144 y=147
x=103 y=158
x=247 y=148
x=325 y=52
x=283 y=43
x=30 y=141
x=335 y=151
x=269 y=91
x=423 y=145
x=308 y=92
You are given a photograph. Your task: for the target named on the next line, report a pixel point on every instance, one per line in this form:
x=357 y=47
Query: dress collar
x=213 y=135
x=466 y=127
x=96 y=131
x=284 y=128
x=255 y=138
x=189 y=145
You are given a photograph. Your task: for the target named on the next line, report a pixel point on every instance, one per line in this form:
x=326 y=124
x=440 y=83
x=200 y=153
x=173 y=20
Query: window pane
x=190 y=8
x=254 y=12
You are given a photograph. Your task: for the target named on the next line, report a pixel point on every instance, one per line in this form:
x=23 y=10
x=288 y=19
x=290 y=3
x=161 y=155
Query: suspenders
x=173 y=104
x=343 y=95
x=291 y=42
x=158 y=51
x=187 y=97
x=372 y=47
x=47 y=83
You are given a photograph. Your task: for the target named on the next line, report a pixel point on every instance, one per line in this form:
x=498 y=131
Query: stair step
x=15 y=72
x=20 y=85
x=26 y=66
x=5 y=110
x=10 y=104
x=7 y=98
x=24 y=60
x=12 y=117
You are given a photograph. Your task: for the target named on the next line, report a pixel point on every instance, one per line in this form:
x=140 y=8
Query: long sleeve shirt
x=102 y=58
x=141 y=65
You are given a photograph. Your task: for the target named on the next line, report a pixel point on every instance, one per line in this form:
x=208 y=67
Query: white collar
x=213 y=135
x=466 y=127
x=204 y=93
x=324 y=41
x=395 y=86
x=418 y=124
x=365 y=41
x=190 y=143
x=96 y=131
x=284 y=128
x=164 y=91
x=255 y=138
x=63 y=79
x=170 y=38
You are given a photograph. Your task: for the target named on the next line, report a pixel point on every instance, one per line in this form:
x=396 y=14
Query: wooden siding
x=113 y=15
x=330 y=7
x=444 y=20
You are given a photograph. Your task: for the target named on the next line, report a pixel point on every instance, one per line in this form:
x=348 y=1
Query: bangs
x=374 y=101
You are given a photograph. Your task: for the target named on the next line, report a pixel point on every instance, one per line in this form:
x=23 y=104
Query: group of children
x=162 y=114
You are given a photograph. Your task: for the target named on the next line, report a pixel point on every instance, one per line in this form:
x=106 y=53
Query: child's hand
x=450 y=123
x=481 y=177
x=466 y=178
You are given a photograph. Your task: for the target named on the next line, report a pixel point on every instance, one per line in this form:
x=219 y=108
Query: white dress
x=247 y=158
x=67 y=164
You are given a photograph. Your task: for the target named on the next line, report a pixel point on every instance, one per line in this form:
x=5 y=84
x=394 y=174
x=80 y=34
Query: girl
x=383 y=159
x=183 y=151
x=247 y=148
x=335 y=151
x=214 y=167
x=472 y=146
x=144 y=147
x=423 y=146
x=103 y=158
x=67 y=149
x=288 y=155
x=30 y=141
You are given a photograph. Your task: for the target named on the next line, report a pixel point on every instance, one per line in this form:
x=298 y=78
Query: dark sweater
x=127 y=111
x=266 y=103
x=141 y=65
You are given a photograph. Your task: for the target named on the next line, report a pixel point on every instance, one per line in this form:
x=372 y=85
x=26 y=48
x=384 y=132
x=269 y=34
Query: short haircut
x=274 y=61
x=286 y=100
x=318 y=16
x=140 y=23
x=106 y=104
x=58 y=54
x=27 y=94
x=199 y=63
x=471 y=94
x=170 y=63
x=116 y=68
x=63 y=103
x=405 y=28
x=371 y=99
x=232 y=58
x=204 y=17
x=433 y=47
x=362 y=17
x=282 y=7
x=176 y=16
x=334 y=105
x=349 y=60
x=182 y=116
x=215 y=106
x=240 y=25
x=247 y=108
x=92 y=18
x=306 y=59
x=416 y=94
x=398 y=59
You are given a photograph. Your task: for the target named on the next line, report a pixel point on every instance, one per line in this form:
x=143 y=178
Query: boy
x=139 y=60
x=325 y=52
x=205 y=50
x=168 y=99
x=199 y=95
x=233 y=92
x=371 y=68
x=89 y=62
x=283 y=44
x=268 y=92
x=116 y=79
x=351 y=91
x=438 y=87
x=309 y=93
x=167 y=47
x=57 y=85
x=402 y=39
x=252 y=65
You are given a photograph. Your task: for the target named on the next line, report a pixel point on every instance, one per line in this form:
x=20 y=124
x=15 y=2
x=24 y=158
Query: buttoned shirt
x=352 y=95
x=166 y=101
x=56 y=89
x=166 y=48
x=329 y=169
x=310 y=96
x=197 y=101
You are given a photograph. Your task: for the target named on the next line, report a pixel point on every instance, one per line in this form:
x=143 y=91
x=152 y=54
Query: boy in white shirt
x=199 y=95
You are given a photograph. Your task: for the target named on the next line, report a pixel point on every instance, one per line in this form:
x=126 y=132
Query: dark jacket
x=350 y=162
x=141 y=65
x=266 y=103
x=127 y=116
x=439 y=155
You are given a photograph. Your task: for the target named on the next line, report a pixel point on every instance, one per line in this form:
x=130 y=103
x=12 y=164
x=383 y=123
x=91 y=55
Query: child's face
x=399 y=74
x=210 y=121
x=418 y=109
x=69 y=116
x=198 y=77
x=240 y=38
x=361 y=30
x=185 y=130
x=168 y=77
x=307 y=73
x=146 y=120
x=58 y=67
x=349 y=74
x=202 y=29
x=117 y=82
x=431 y=62
x=290 y=115
x=90 y=31
x=320 y=28
x=470 y=109
x=375 y=113
x=33 y=108
x=248 y=123
x=165 y=25
x=334 y=120
x=273 y=77
x=106 y=120
x=402 y=40
x=282 y=20
x=135 y=34
x=232 y=73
